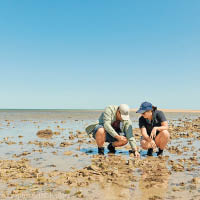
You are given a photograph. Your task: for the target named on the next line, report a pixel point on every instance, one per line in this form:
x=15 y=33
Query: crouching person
x=154 y=128
x=114 y=126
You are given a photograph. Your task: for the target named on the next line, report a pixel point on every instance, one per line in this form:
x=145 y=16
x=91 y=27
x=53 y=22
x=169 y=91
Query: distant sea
x=76 y=114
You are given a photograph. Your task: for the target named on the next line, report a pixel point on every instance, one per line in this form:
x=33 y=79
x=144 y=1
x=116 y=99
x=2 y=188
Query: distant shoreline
x=100 y=110
x=175 y=110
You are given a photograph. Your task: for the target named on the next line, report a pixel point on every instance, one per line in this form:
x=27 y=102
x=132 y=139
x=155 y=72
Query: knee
x=125 y=142
x=143 y=144
x=100 y=132
x=165 y=134
x=122 y=143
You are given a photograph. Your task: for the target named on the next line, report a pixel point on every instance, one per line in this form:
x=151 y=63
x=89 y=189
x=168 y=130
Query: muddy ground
x=61 y=162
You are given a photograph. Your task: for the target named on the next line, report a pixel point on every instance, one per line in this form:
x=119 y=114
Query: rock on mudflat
x=47 y=133
x=196 y=180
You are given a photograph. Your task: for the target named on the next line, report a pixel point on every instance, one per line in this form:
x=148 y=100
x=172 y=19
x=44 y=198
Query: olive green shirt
x=107 y=118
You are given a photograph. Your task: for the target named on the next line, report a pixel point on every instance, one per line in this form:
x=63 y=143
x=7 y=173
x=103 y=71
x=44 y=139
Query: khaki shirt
x=107 y=118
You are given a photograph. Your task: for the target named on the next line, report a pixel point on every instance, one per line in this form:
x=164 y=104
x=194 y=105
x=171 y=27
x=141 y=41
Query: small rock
x=56 y=133
x=47 y=133
x=196 y=180
x=68 y=153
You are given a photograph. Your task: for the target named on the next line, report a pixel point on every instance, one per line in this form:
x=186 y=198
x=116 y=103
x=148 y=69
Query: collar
x=153 y=118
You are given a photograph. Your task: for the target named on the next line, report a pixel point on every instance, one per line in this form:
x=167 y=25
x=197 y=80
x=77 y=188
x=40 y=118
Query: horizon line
x=100 y=109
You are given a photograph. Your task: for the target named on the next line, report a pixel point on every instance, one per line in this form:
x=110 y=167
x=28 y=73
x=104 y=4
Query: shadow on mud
x=93 y=151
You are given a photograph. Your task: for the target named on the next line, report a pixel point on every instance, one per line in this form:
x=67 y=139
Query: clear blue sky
x=90 y=54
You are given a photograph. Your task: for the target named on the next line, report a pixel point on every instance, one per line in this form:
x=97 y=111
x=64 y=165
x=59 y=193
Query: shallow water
x=26 y=123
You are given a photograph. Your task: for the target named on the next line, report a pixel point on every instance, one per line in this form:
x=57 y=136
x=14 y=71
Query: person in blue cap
x=154 y=128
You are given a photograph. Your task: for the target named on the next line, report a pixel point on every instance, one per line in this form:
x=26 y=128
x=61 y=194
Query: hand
x=121 y=138
x=153 y=133
x=137 y=154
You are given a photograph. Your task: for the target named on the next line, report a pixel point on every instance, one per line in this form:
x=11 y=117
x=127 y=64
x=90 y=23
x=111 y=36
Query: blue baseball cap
x=145 y=106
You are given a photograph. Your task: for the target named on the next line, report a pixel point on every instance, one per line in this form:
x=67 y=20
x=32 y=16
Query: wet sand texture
x=55 y=159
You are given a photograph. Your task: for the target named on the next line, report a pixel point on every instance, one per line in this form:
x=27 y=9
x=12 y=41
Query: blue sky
x=90 y=54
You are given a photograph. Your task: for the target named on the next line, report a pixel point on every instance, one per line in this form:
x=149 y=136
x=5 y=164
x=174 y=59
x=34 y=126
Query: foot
x=101 y=150
x=111 y=148
x=160 y=152
x=131 y=151
x=150 y=152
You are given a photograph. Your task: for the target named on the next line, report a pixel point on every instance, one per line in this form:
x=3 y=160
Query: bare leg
x=145 y=145
x=119 y=143
x=162 y=139
x=100 y=137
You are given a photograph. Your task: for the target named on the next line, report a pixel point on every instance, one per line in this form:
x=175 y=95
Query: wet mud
x=55 y=159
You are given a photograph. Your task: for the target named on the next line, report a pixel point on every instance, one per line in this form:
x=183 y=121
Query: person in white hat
x=115 y=127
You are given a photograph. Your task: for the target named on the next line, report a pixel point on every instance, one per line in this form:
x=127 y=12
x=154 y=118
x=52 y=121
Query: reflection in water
x=93 y=151
x=107 y=177
x=116 y=177
x=153 y=182
x=115 y=191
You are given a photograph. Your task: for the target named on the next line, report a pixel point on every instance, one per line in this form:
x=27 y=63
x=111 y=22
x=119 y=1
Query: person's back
x=111 y=111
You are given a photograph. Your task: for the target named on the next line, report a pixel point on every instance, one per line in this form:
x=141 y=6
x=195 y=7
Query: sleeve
x=141 y=122
x=161 y=117
x=128 y=130
x=107 y=118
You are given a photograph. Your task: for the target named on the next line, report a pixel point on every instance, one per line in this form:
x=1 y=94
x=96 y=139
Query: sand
x=66 y=165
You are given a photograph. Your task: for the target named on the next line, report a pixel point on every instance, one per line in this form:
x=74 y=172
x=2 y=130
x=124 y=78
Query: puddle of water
x=27 y=123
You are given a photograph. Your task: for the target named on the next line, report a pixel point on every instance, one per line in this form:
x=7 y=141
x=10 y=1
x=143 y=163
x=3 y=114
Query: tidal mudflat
x=61 y=162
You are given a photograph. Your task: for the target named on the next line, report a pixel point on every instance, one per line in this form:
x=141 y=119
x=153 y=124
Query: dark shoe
x=131 y=151
x=101 y=150
x=160 y=152
x=150 y=152
x=111 y=148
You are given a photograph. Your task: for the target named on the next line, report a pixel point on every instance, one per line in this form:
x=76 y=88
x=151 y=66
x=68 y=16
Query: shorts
x=109 y=138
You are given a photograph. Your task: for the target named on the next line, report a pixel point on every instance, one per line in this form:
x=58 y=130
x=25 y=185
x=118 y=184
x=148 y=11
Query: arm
x=145 y=135
x=164 y=126
x=128 y=130
x=144 y=130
